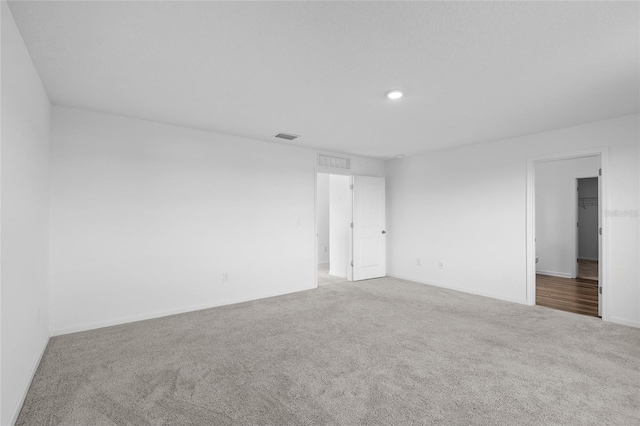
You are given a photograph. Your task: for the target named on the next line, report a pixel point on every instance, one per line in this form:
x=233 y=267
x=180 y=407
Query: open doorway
x=567 y=234
x=588 y=223
x=350 y=228
x=333 y=217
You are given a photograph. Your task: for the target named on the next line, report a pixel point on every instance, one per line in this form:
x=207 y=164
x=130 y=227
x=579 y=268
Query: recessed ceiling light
x=394 y=94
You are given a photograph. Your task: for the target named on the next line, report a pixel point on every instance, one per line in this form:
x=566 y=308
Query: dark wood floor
x=578 y=295
x=588 y=269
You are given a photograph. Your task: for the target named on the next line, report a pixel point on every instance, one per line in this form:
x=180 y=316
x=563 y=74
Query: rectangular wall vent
x=286 y=136
x=335 y=162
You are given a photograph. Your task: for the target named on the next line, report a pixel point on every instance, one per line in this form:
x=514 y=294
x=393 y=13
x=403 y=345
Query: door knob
x=384 y=232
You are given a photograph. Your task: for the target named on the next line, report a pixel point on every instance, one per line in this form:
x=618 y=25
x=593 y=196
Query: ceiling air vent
x=335 y=162
x=286 y=136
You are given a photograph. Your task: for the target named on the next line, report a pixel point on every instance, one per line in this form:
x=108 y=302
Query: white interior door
x=369 y=239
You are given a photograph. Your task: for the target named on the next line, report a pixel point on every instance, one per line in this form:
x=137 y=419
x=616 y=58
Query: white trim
x=622 y=321
x=27 y=385
x=568 y=155
x=602 y=253
x=315 y=226
x=460 y=289
x=603 y=204
x=555 y=274
x=576 y=229
x=352 y=220
x=322 y=263
x=160 y=314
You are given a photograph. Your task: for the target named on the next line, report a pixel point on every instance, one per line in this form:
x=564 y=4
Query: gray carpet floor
x=382 y=351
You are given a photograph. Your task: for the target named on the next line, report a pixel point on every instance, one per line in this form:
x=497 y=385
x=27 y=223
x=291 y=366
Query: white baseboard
x=622 y=321
x=460 y=289
x=615 y=320
x=159 y=314
x=595 y=259
x=27 y=385
x=554 y=274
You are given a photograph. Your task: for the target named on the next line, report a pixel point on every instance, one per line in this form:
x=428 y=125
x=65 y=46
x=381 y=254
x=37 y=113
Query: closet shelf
x=585 y=202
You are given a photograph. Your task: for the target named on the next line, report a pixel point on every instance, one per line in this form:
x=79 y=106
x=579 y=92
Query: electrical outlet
x=324 y=249
x=441 y=265
x=225 y=277
x=418 y=262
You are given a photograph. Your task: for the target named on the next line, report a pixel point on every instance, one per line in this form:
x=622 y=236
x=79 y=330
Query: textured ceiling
x=471 y=71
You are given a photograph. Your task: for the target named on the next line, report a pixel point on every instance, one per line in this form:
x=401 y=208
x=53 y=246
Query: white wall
x=339 y=224
x=588 y=220
x=322 y=217
x=24 y=219
x=556 y=213
x=146 y=218
x=467 y=207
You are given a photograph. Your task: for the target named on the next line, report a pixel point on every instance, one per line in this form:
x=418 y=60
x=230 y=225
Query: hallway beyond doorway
x=588 y=269
x=325 y=279
x=578 y=295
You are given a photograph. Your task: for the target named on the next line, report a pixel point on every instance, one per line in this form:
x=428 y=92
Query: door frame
x=603 y=241
x=327 y=171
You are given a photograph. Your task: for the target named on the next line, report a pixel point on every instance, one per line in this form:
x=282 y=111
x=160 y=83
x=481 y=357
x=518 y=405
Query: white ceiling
x=471 y=71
